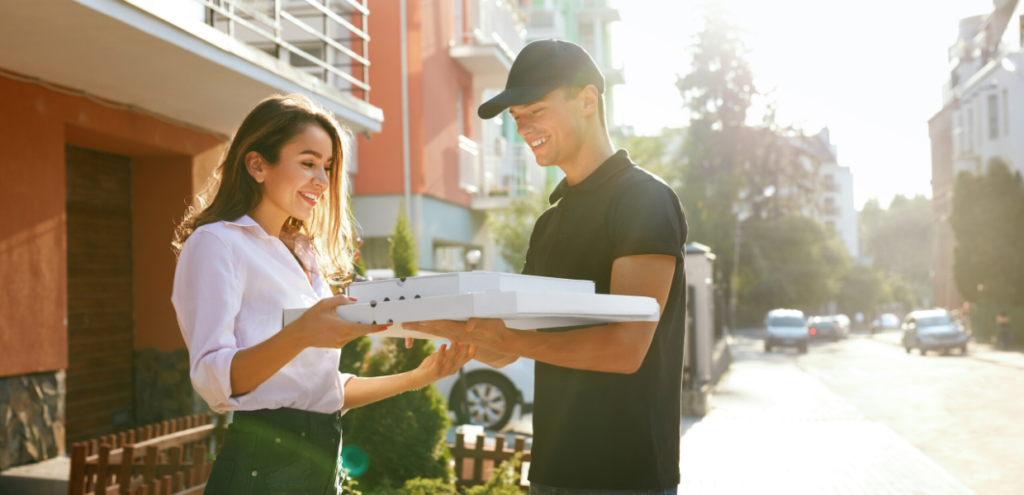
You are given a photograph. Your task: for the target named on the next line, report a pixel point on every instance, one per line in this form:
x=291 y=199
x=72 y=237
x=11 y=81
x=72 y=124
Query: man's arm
x=612 y=348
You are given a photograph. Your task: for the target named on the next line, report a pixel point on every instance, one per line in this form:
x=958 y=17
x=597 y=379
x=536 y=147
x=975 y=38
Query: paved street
x=859 y=416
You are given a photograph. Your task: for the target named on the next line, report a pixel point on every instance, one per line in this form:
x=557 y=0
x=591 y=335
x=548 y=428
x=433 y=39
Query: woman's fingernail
x=352 y=299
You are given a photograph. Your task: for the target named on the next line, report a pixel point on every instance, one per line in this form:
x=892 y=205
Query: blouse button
x=303 y=433
x=254 y=473
x=278 y=440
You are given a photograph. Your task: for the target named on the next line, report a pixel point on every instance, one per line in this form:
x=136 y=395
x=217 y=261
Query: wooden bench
x=473 y=466
x=167 y=458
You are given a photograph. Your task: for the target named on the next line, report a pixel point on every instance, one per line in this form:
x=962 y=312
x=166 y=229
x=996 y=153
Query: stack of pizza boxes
x=524 y=302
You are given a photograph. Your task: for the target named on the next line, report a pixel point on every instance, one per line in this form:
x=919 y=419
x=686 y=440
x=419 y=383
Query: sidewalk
x=975 y=350
x=776 y=429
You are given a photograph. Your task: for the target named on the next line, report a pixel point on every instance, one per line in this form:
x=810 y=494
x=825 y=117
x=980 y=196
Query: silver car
x=933 y=330
x=785 y=327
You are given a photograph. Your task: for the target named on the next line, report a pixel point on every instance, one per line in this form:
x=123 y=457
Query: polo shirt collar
x=614 y=164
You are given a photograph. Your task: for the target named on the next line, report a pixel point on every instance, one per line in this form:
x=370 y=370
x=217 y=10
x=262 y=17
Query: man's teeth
x=538 y=142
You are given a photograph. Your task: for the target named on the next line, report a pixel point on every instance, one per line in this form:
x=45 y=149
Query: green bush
x=403 y=436
x=504 y=481
x=402 y=251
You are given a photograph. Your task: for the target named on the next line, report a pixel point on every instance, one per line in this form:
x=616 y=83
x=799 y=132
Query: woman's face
x=299 y=179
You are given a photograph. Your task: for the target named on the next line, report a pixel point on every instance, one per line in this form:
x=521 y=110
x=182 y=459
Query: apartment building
x=981 y=120
x=434 y=157
x=587 y=23
x=113 y=113
x=837 y=210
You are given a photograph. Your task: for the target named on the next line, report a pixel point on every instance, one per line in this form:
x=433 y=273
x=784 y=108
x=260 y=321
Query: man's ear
x=590 y=97
x=256 y=166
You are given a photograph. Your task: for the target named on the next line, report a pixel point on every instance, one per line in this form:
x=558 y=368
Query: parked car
x=785 y=327
x=824 y=327
x=491 y=394
x=887 y=321
x=841 y=322
x=844 y=324
x=933 y=330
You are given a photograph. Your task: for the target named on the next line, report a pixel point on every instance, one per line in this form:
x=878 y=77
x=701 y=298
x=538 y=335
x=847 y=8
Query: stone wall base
x=31 y=418
x=163 y=388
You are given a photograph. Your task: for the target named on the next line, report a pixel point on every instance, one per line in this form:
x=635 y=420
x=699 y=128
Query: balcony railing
x=514 y=174
x=326 y=37
x=546 y=23
x=490 y=22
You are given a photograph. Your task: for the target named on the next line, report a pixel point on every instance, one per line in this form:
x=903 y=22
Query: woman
x=276 y=229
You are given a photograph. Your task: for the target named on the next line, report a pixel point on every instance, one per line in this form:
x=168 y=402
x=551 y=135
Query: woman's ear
x=256 y=166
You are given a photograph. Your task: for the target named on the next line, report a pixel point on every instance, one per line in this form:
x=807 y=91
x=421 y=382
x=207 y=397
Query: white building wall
x=973 y=144
x=843 y=217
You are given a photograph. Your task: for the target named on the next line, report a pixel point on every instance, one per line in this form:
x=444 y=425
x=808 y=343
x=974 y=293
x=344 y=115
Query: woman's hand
x=445 y=362
x=320 y=326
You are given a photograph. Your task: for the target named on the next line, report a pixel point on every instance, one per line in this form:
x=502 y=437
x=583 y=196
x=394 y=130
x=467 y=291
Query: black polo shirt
x=608 y=430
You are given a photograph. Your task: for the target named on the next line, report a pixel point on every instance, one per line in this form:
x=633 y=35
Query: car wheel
x=803 y=348
x=767 y=346
x=923 y=351
x=908 y=350
x=963 y=349
x=490 y=399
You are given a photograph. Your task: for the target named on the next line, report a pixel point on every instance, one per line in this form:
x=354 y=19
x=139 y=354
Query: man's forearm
x=613 y=348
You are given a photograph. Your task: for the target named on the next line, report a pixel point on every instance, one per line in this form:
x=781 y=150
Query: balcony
x=545 y=23
x=204 y=63
x=488 y=36
x=508 y=177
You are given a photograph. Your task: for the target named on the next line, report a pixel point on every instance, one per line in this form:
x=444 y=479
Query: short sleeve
x=648 y=220
x=207 y=297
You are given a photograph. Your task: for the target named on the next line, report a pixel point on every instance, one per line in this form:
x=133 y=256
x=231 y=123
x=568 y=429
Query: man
x=607 y=402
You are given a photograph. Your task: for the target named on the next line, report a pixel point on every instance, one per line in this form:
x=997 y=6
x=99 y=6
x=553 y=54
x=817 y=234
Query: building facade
x=113 y=114
x=981 y=120
x=837 y=210
x=434 y=158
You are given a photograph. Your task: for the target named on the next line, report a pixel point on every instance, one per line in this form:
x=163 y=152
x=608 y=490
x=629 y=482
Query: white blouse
x=231 y=285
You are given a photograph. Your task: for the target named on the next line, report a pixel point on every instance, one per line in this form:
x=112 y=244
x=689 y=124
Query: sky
x=871 y=71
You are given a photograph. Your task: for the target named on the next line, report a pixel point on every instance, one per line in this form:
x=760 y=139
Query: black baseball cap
x=542 y=67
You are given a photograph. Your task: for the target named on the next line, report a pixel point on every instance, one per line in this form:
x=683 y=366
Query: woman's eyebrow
x=311 y=152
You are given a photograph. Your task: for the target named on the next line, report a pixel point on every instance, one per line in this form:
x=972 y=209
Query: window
x=459 y=111
x=830 y=206
x=993 y=117
x=829 y=182
x=299 y=61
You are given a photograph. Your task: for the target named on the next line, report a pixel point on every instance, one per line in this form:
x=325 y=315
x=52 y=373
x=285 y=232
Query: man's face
x=551 y=126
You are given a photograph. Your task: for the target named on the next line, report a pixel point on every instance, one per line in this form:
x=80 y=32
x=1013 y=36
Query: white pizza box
x=522 y=310
x=450 y=284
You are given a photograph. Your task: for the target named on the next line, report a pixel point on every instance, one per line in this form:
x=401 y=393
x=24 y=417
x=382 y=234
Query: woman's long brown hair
x=231 y=192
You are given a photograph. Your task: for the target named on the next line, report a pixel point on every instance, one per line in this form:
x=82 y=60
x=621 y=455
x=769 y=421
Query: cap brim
x=511 y=97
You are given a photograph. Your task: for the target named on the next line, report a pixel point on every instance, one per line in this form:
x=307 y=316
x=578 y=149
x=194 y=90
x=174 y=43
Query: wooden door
x=100 y=320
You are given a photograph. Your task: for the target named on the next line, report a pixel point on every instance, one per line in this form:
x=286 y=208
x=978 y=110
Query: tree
x=725 y=163
x=402 y=251
x=861 y=290
x=513 y=226
x=899 y=239
x=988 y=259
x=790 y=262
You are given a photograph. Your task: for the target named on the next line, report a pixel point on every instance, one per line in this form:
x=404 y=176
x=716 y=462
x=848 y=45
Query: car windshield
x=823 y=324
x=933 y=321
x=786 y=321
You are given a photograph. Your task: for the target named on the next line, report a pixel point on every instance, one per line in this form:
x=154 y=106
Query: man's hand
x=483 y=333
x=486 y=333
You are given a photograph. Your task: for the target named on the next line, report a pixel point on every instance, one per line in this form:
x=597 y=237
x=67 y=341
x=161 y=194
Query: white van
x=785 y=327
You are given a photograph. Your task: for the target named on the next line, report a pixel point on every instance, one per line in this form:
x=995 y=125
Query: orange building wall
x=442 y=76
x=35 y=125
x=380 y=158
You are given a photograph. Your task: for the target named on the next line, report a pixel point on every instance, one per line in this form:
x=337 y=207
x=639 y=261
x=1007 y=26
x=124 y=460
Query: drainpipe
x=404 y=40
